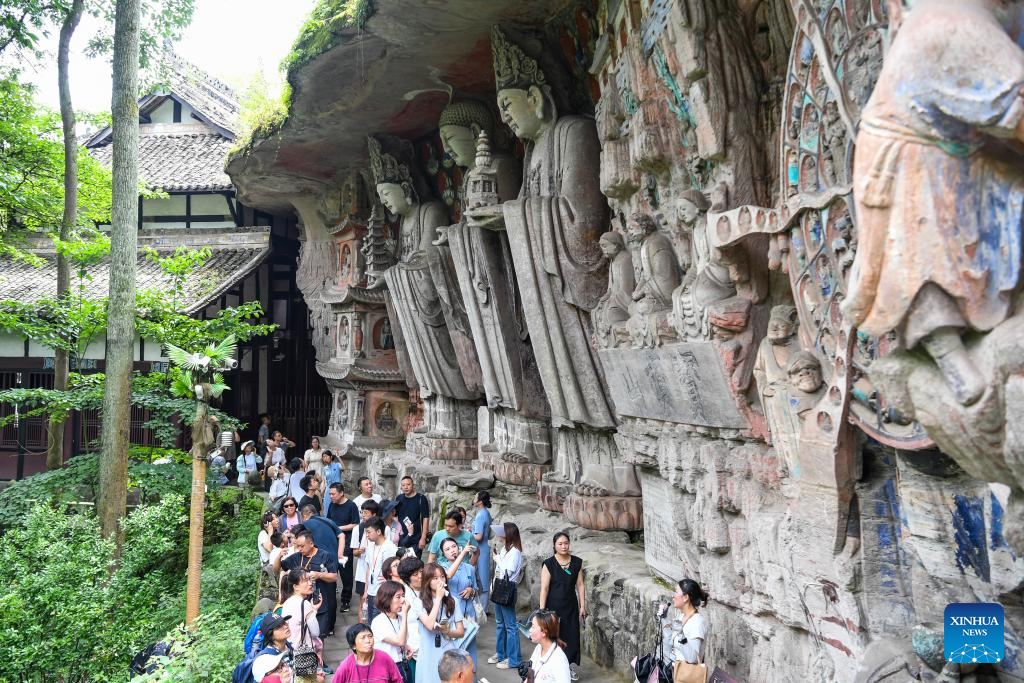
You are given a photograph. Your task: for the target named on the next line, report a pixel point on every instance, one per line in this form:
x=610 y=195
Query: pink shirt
x=382 y=670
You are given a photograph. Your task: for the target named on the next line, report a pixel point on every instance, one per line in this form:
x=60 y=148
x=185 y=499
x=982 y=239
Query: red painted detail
x=838 y=645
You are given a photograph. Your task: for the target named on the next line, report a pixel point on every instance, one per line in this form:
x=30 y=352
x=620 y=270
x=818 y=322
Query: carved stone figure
x=340 y=410
x=771 y=372
x=554 y=227
x=708 y=280
x=658 y=271
x=805 y=381
x=939 y=207
x=613 y=308
x=486 y=276
x=412 y=289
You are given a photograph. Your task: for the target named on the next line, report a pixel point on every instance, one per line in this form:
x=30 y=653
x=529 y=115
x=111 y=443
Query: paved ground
x=336 y=649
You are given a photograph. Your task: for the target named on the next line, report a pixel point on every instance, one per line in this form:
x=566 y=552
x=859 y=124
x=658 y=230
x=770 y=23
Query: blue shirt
x=325 y=534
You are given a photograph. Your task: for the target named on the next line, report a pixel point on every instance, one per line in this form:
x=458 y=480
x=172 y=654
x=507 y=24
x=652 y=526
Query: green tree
x=123 y=254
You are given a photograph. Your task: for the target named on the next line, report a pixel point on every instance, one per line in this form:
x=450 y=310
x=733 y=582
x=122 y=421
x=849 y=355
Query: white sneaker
x=502 y=665
x=574 y=674
x=493 y=659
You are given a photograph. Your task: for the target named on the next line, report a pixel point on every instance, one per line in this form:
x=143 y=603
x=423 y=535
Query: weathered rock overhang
x=392 y=76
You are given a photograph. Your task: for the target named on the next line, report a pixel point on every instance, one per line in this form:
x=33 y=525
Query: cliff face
x=758 y=446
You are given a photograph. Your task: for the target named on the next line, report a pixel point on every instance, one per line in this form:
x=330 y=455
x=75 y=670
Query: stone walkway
x=336 y=650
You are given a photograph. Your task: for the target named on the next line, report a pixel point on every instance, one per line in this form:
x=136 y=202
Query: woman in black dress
x=562 y=591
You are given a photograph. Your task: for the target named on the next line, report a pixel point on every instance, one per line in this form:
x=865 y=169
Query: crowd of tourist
x=421 y=597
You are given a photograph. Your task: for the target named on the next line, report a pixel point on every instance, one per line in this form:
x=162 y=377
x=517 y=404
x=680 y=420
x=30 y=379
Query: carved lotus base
x=552 y=494
x=438 y=448
x=519 y=474
x=605 y=513
x=488 y=456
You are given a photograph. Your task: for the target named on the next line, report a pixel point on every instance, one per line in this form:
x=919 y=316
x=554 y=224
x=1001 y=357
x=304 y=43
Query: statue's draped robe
x=417 y=307
x=614 y=305
x=487 y=279
x=780 y=411
x=553 y=230
x=659 y=272
x=933 y=206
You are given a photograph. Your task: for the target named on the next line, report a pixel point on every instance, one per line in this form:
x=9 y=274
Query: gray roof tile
x=236 y=253
x=179 y=161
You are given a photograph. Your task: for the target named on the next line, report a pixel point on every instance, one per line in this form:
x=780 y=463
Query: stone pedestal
x=519 y=474
x=552 y=492
x=605 y=513
x=455 y=450
x=521 y=445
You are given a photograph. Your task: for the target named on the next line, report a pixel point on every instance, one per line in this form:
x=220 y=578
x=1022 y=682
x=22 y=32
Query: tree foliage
x=32 y=172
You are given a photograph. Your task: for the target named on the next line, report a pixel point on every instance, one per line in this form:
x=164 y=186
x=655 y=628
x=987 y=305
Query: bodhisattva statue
x=486 y=276
x=417 y=304
x=613 y=307
x=707 y=281
x=554 y=227
x=777 y=350
x=658 y=273
x=938 y=185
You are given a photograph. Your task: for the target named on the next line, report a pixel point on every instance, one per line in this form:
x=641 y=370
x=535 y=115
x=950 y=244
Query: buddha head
x=692 y=203
x=640 y=226
x=523 y=96
x=611 y=244
x=781 y=324
x=461 y=123
x=805 y=372
x=392 y=179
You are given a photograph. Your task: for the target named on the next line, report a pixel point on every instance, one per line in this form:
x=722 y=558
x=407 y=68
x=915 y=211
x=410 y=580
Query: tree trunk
x=203 y=440
x=123 y=254
x=55 y=427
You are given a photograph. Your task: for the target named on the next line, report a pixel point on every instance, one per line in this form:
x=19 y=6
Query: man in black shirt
x=311 y=485
x=322 y=568
x=345 y=514
x=413 y=515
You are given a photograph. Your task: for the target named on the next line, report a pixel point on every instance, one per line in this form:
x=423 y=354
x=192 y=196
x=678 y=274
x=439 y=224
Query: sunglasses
x=288 y=505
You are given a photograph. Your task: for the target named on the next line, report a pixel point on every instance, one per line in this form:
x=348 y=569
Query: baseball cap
x=264 y=664
x=272 y=621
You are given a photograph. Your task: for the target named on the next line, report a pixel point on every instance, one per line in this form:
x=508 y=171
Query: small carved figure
x=658 y=269
x=341 y=410
x=344 y=334
x=805 y=381
x=774 y=356
x=939 y=207
x=614 y=306
x=834 y=146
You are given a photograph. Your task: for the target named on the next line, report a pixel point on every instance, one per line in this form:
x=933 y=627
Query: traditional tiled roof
x=236 y=253
x=178 y=161
x=212 y=99
x=358 y=373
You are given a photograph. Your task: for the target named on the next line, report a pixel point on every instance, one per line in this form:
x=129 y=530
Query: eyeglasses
x=288 y=505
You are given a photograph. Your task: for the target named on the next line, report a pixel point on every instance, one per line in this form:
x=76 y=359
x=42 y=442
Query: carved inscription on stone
x=674 y=383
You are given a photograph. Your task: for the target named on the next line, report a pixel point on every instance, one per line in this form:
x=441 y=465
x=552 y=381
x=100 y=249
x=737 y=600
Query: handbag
x=304 y=658
x=470 y=629
x=652 y=667
x=684 y=672
x=503 y=592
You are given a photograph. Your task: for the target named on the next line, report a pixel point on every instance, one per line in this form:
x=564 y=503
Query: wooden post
x=202 y=441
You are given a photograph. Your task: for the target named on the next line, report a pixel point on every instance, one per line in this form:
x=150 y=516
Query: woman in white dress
x=314 y=456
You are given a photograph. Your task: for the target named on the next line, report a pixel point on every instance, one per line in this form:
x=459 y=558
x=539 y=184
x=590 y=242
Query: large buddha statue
x=448 y=396
x=553 y=228
x=486 y=276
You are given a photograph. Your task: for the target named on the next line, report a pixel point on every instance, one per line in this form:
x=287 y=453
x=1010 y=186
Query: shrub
x=208 y=651
x=64 y=615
